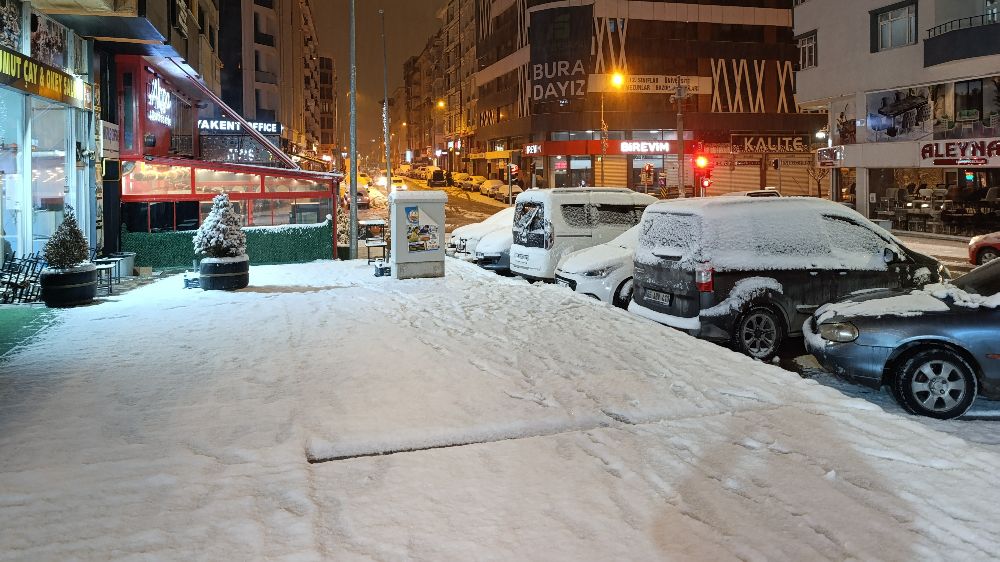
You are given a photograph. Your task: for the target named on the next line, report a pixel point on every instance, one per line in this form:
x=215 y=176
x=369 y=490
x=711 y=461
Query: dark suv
x=437 y=179
x=750 y=271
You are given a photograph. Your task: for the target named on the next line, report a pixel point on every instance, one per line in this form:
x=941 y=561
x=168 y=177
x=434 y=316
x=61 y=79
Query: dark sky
x=408 y=25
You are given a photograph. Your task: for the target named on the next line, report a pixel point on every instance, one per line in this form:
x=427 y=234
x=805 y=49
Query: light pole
x=681 y=95
x=354 y=139
x=617 y=81
x=385 y=105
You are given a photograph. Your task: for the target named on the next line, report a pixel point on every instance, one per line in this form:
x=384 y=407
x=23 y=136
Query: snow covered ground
x=471 y=417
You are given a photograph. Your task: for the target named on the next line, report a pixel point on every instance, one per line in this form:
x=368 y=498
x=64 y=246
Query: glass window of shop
x=51 y=169
x=638 y=164
x=938 y=200
x=11 y=154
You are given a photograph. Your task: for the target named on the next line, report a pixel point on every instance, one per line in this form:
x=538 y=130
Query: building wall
x=329 y=145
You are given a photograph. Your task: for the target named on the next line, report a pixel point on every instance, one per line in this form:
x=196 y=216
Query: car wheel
x=937 y=383
x=759 y=333
x=987 y=255
x=623 y=296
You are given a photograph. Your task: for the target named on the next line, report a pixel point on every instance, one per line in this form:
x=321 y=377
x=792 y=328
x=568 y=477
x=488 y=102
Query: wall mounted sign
x=532 y=149
x=652 y=84
x=159 y=103
x=558 y=80
x=644 y=147
x=110 y=140
x=226 y=126
x=960 y=152
x=35 y=77
x=760 y=144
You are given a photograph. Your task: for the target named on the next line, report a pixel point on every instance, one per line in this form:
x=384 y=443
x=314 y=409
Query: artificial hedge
x=290 y=243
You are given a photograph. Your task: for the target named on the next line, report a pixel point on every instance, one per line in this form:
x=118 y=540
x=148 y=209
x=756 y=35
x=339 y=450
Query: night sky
x=408 y=25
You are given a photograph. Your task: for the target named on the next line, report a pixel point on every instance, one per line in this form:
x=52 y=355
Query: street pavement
x=463 y=207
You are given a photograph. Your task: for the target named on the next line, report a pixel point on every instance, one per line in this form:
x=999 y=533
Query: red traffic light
x=706 y=182
x=701 y=161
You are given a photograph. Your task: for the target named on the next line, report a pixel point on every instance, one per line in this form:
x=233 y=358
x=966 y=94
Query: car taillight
x=704 y=278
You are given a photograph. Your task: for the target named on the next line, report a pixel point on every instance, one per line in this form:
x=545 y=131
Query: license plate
x=521 y=258
x=661 y=298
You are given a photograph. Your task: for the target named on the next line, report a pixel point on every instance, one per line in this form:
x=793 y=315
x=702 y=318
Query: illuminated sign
x=158 y=103
x=645 y=147
x=224 y=126
x=530 y=149
x=763 y=144
x=34 y=77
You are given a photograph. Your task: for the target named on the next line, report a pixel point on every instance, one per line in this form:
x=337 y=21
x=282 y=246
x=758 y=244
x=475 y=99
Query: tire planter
x=224 y=274
x=63 y=288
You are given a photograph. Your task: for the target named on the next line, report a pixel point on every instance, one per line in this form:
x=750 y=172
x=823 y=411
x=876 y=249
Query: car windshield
x=984 y=280
x=667 y=234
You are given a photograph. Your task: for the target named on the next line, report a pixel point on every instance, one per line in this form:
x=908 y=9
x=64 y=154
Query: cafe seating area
x=931 y=210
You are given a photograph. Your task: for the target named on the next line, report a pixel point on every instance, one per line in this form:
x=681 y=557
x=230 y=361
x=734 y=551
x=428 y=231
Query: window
x=578 y=216
x=618 y=215
x=807 y=50
x=992 y=11
x=895 y=26
x=969 y=100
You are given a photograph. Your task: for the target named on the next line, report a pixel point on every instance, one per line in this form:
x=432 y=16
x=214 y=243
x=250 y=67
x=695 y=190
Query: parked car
x=604 y=271
x=364 y=199
x=751 y=271
x=437 y=179
x=507 y=194
x=755 y=193
x=935 y=348
x=458 y=177
x=398 y=184
x=493 y=250
x=550 y=224
x=465 y=239
x=984 y=248
x=472 y=183
x=364 y=179
x=488 y=187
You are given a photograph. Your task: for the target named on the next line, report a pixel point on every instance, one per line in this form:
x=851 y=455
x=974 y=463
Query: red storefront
x=170 y=171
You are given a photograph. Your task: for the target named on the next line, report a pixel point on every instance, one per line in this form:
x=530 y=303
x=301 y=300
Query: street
x=463 y=207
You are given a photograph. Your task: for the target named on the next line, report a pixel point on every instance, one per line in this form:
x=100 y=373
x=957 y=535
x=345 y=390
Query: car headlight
x=841 y=332
x=943 y=273
x=602 y=272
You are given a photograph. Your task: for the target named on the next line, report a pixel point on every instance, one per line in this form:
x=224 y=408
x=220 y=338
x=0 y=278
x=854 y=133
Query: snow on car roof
x=536 y=194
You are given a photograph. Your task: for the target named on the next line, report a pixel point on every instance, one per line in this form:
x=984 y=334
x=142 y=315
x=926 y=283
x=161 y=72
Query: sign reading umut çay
x=35 y=77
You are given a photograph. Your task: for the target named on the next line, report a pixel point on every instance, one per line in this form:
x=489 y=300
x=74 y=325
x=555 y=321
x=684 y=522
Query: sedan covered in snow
x=936 y=348
x=493 y=251
x=465 y=239
x=603 y=272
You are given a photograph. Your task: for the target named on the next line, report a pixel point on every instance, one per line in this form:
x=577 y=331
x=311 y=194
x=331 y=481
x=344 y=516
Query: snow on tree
x=67 y=247
x=221 y=235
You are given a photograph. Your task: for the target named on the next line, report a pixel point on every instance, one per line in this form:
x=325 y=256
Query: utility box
x=417 y=247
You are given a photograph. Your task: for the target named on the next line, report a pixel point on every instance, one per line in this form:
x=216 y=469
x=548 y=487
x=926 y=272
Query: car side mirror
x=889 y=256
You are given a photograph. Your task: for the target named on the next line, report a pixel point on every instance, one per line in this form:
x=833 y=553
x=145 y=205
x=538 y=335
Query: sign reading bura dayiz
x=222 y=126
x=34 y=77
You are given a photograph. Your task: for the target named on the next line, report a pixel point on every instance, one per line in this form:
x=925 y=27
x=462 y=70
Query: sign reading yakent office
x=35 y=77
x=765 y=144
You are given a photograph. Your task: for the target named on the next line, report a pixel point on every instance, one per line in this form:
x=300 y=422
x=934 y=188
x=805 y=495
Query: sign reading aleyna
x=771 y=143
x=35 y=77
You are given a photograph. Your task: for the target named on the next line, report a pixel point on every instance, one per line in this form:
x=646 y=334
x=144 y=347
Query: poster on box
x=422 y=234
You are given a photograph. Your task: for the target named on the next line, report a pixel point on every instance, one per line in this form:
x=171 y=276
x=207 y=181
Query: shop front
x=46 y=131
x=640 y=165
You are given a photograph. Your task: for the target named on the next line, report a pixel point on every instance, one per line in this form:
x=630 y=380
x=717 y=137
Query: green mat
x=19 y=323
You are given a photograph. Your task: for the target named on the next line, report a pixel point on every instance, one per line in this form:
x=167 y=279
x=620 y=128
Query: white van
x=549 y=224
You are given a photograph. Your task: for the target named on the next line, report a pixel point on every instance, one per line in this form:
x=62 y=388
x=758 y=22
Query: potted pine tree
x=222 y=240
x=69 y=279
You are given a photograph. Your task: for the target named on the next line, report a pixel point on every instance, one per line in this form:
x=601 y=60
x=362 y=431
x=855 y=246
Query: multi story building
x=458 y=36
x=329 y=145
x=397 y=126
x=913 y=94
x=423 y=77
x=274 y=42
x=545 y=89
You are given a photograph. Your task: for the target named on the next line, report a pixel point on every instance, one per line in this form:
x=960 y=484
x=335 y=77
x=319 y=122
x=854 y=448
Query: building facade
x=329 y=145
x=458 y=36
x=423 y=80
x=913 y=94
x=545 y=93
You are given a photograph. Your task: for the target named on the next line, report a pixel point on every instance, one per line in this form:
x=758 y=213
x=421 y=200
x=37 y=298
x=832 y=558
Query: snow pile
x=276 y=229
x=377 y=199
x=481 y=417
x=743 y=292
x=932 y=298
x=960 y=297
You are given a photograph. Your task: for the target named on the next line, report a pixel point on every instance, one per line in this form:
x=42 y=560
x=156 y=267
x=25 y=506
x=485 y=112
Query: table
x=101 y=269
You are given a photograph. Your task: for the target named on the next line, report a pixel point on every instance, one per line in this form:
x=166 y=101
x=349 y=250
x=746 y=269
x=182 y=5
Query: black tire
x=759 y=333
x=623 y=294
x=936 y=383
x=986 y=255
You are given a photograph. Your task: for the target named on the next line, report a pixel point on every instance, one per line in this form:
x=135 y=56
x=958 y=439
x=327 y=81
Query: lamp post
x=385 y=104
x=679 y=97
x=617 y=81
x=354 y=138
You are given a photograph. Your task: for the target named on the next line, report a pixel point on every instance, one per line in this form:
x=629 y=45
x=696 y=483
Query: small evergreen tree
x=221 y=235
x=67 y=247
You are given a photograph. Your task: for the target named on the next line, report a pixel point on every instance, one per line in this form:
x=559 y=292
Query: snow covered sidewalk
x=521 y=422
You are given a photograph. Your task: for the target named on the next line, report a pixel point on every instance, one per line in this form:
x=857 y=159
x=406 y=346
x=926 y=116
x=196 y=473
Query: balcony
x=963 y=38
x=269 y=4
x=263 y=39
x=265 y=77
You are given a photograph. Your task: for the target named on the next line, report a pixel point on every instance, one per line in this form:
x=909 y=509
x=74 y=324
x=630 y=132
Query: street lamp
x=679 y=97
x=440 y=104
x=617 y=81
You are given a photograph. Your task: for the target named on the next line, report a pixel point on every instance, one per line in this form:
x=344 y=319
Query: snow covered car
x=489 y=187
x=398 y=184
x=984 y=248
x=550 y=224
x=472 y=183
x=493 y=250
x=936 y=348
x=603 y=272
x=437 y=179
x=751 y=271
x=466 y=238
x=508 y=194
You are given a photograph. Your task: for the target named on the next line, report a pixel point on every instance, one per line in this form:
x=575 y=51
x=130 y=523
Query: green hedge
x=294 y=243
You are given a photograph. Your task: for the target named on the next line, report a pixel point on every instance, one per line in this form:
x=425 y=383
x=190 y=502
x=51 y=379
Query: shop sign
x=644 y=147
x=761 y=144
x=653 y=84
x=110 y=140
x=35 y=77
x=830 y=157
x=532 y=149
x=226 y=126
x=960 y=152
x=158 y=103
x=558 y=80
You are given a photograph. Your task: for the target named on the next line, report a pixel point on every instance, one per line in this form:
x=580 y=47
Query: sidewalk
x=323 y=413
x=954 y=254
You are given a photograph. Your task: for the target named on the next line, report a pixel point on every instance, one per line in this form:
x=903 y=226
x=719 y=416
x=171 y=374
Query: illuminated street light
x=440 y=104
x=618 y=80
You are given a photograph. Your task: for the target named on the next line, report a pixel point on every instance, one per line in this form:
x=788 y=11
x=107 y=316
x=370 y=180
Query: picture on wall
x=10 y=24
x=48 y=41
x=969 y=109
x=900 y=115
x=844 y=122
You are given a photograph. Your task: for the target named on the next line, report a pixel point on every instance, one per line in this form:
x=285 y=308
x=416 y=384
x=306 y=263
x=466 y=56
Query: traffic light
x=702 y=162
x=703 y=172
x=775 y=163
